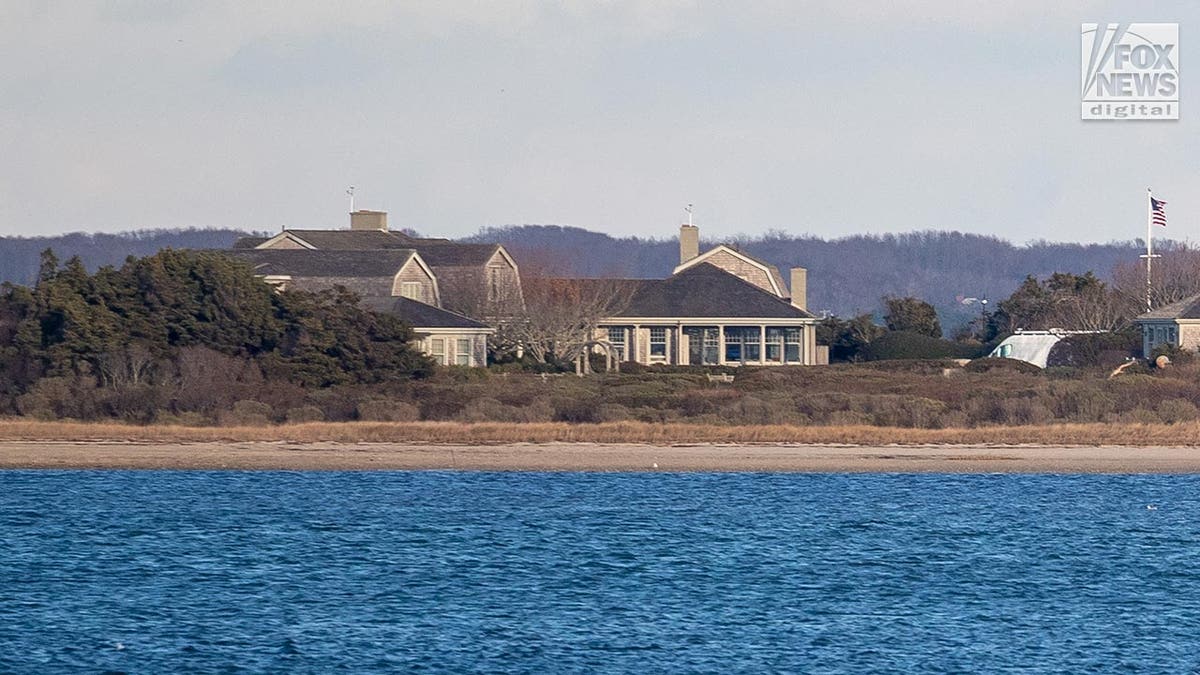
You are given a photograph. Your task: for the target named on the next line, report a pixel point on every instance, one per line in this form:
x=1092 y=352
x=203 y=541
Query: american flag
x=1158 y=212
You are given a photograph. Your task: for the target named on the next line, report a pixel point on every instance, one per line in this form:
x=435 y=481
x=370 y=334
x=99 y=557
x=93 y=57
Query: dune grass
x=1096 y=434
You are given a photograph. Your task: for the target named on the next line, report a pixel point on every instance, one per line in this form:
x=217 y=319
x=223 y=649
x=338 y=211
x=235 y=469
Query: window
x=437 y=349
x=616 y=337
x=774 y=346
x=412 y=290
x=792 y=340
x=463 y=356
x=703 y=345
x=493 y=279
x=658 y=344
x=743 y=344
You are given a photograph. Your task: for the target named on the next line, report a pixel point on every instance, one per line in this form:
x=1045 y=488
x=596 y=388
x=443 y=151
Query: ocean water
x=534 y=573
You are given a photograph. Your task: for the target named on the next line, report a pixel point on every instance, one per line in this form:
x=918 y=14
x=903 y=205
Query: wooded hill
x=847 y=275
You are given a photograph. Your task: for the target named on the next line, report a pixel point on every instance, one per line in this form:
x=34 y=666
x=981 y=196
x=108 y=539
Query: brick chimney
x=689 y=242
x=800 y=288
x=368 y=220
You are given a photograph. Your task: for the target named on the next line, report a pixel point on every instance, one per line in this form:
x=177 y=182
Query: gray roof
x=444 y=253
x=706 y=291
x=307 y=263
x=352 y=240
x=435 y=252
x=1188 y=308
x=419 y=314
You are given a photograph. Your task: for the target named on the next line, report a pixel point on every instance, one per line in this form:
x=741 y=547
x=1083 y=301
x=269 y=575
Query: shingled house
x=722 y=307
x=392 y=278
x=478 y=280
x=1176 y=324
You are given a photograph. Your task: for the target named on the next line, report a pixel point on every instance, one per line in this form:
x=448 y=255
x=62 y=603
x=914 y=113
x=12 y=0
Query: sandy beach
x=594 y=457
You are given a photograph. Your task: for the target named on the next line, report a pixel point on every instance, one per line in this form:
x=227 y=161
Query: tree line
x=179 y=331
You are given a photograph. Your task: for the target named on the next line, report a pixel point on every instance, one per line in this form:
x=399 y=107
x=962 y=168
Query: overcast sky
x=830 y=118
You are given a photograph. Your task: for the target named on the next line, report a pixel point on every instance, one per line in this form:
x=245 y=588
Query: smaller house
x=1176 y=324
x=450 y=339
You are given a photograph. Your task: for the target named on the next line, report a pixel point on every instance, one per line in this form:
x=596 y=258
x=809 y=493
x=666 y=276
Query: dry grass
x=1133 y=435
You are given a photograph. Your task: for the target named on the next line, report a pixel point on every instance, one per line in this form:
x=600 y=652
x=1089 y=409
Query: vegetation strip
x=1097 y=434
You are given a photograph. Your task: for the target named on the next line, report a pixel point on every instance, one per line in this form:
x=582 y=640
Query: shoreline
x=596 y=457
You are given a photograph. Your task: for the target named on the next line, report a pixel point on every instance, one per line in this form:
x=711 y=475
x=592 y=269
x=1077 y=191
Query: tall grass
x=1093 y=434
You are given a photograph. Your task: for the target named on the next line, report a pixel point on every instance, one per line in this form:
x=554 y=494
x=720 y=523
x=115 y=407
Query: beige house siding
x=1189 y=335
x=283 y=243
x=413 y=273
x=481 y=292
x=742 y=269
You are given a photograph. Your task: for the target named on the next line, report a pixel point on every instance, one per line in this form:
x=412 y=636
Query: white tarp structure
x=1032 y=347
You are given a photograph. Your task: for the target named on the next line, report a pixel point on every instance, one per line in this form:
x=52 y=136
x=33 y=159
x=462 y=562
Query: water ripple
x=524 y=573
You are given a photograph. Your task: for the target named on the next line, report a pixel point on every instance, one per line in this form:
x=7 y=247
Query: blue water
x=532 y=573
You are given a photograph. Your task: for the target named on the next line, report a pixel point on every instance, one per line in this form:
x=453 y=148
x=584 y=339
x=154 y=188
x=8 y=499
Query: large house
x=388 y=272
x=1176 y=324
x=478 y=280
x=722 y=307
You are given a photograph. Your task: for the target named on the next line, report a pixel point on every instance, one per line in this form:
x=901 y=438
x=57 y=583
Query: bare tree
x=131 y=364
x=562 y=315
x=1175 y=276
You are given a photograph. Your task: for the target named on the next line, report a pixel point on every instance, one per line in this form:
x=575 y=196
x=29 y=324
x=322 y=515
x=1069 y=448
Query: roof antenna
x=689 y=212
x=350 y=191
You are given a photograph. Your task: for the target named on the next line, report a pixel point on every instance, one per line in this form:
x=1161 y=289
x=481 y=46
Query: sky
x=826 y=117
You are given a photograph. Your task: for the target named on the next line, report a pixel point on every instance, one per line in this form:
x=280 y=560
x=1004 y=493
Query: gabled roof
x=1188 y=308
x=771 y=270
x=320 y=263
x=419 y=314
x=705 y=290
x=436 y=252
x=346 y=240
x=444 y=253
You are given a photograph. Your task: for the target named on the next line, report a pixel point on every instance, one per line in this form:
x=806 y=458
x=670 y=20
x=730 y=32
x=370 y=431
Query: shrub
x=576 y=409
x=381 y=410
x=996 y=364
x=906 y=345
x=183 y=419
x=1178 y=357
x=247 y=413
x=1025 y=411
x=305 y=413
x=1176 y=410
x=1096 y=349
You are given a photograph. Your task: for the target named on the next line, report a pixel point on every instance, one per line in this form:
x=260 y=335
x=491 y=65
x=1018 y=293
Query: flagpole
x=1149 y=244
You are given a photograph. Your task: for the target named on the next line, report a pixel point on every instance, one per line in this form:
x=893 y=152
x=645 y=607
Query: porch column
x=634 y=347
x=762 y=344
x=720 y=345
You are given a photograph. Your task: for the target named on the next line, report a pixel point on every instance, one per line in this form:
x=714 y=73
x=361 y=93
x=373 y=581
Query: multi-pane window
x=658 y=343
x=774 y=345
x=616 y=338
x=463 y=354
x=743 y=344
x=437 y=349
x=792 y=338
x=412 y=290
